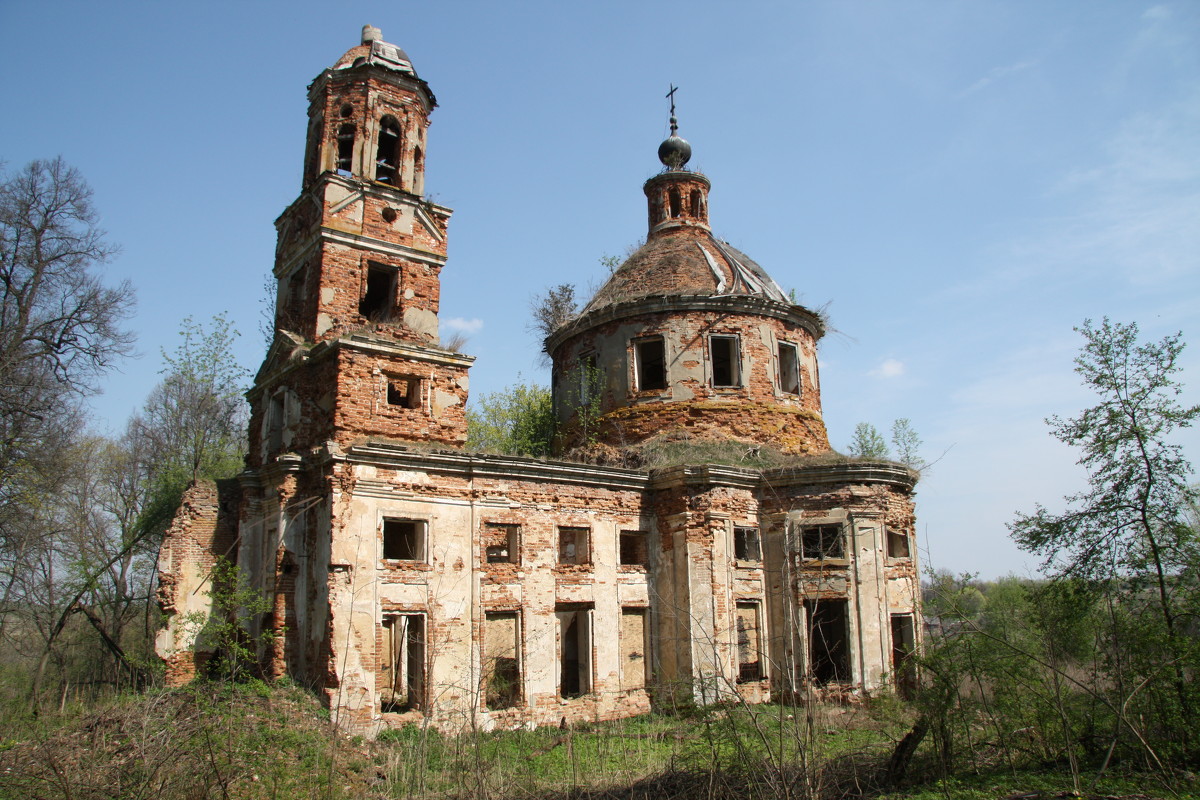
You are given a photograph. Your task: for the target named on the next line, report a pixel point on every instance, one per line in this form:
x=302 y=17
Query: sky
x=961 y=182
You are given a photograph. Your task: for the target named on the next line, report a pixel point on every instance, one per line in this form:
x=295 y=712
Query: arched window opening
x=346 y=110
x=345 y=146
x=697 y=204
x=387 y=155
x=676 y=203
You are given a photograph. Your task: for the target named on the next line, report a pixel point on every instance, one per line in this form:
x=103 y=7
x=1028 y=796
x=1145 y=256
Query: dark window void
x=724 y=352
x=404 y=391
x=749 y=642
x=821 y=541
x=573 y=546
x=897 y=544
x=631 y=639
x=404 y=539
x=501 y=659
x=376 y=303
x=345 y=150
x=589 y=378
x=275 y=412
x=651 y=365
x=387 y=153
x=828 y=640
x=904 y=645
x=789 y=368
x=676 y=202
x=402 y=663
x=746 y=546
x=574 y=650
x=500 y=544
x=418 y=171
x=634 y=552
x=697 y=204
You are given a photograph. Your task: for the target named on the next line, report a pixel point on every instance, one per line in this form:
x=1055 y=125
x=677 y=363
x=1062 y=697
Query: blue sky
x=963 y=182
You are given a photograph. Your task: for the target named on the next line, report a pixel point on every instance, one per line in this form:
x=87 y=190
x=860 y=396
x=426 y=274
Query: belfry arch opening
x=387 y=152
x=345 y=150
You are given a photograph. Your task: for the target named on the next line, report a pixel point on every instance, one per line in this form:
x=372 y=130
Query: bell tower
x=356 y=351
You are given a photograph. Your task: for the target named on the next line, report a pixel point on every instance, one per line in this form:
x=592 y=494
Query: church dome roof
x=686 y=265
x=374 y=50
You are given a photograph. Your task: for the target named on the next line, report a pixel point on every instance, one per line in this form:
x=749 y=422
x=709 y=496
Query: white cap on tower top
x=371 y=34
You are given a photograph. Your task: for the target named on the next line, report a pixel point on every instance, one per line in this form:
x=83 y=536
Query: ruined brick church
x=410 y=579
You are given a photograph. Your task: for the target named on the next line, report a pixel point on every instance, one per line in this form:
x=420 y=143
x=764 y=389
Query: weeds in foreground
x=256 y=741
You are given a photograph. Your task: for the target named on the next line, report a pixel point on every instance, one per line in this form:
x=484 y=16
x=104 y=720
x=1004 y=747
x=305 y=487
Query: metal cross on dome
x=671 y=96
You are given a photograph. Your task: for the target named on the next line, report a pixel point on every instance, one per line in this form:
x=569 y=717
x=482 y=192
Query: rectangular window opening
x=898 y=544
x=634 y=549
x=828 y=640
x=573 y=546
x=821 y=542
x=404 y=391
x=402 y=663
x=746 y=544
x=635 y=666
x=404 y=539
x=501 y=544
x=749 y=642
x=501 y=659
x=574 y=649
x=377 y=303
x=904 y=645
x=275 y=420
x=651 y=363
x=789 y=368
x=589 y=378
x=724 y=353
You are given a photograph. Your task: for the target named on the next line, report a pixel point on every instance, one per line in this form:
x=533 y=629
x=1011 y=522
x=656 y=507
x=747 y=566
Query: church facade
x=406 y=578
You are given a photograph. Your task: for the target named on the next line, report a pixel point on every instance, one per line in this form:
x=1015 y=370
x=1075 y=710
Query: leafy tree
x=867 y=442
x=517 y=420
x=907 y=444
x=1129 y=532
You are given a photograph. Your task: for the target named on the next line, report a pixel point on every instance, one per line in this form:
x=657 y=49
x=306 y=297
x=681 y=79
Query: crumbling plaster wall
x=203 y=530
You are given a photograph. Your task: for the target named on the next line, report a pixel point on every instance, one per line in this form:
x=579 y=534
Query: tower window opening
x=724 y=352
x=404 y=540
x=819 y=542
x=388 y=151
x=404 y=391
x=676 y=202
x=789 y=368
x=651 y=364
x=376 y=304
x=346 y=110
x=590 y=379
x=904 y=645
x=345 y=150
x=697 y=204
x=746 y=546
x=828 y=640
x=897 y=544
x=402 y=663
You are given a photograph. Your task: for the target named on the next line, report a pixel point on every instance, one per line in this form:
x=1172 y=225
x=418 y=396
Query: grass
x=255 y=741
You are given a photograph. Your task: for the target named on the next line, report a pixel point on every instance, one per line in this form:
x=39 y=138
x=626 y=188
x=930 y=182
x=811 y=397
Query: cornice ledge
x=413 y=350
x=484 y=465
x=705 y=475
x=851 y=472
x=654 y=304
